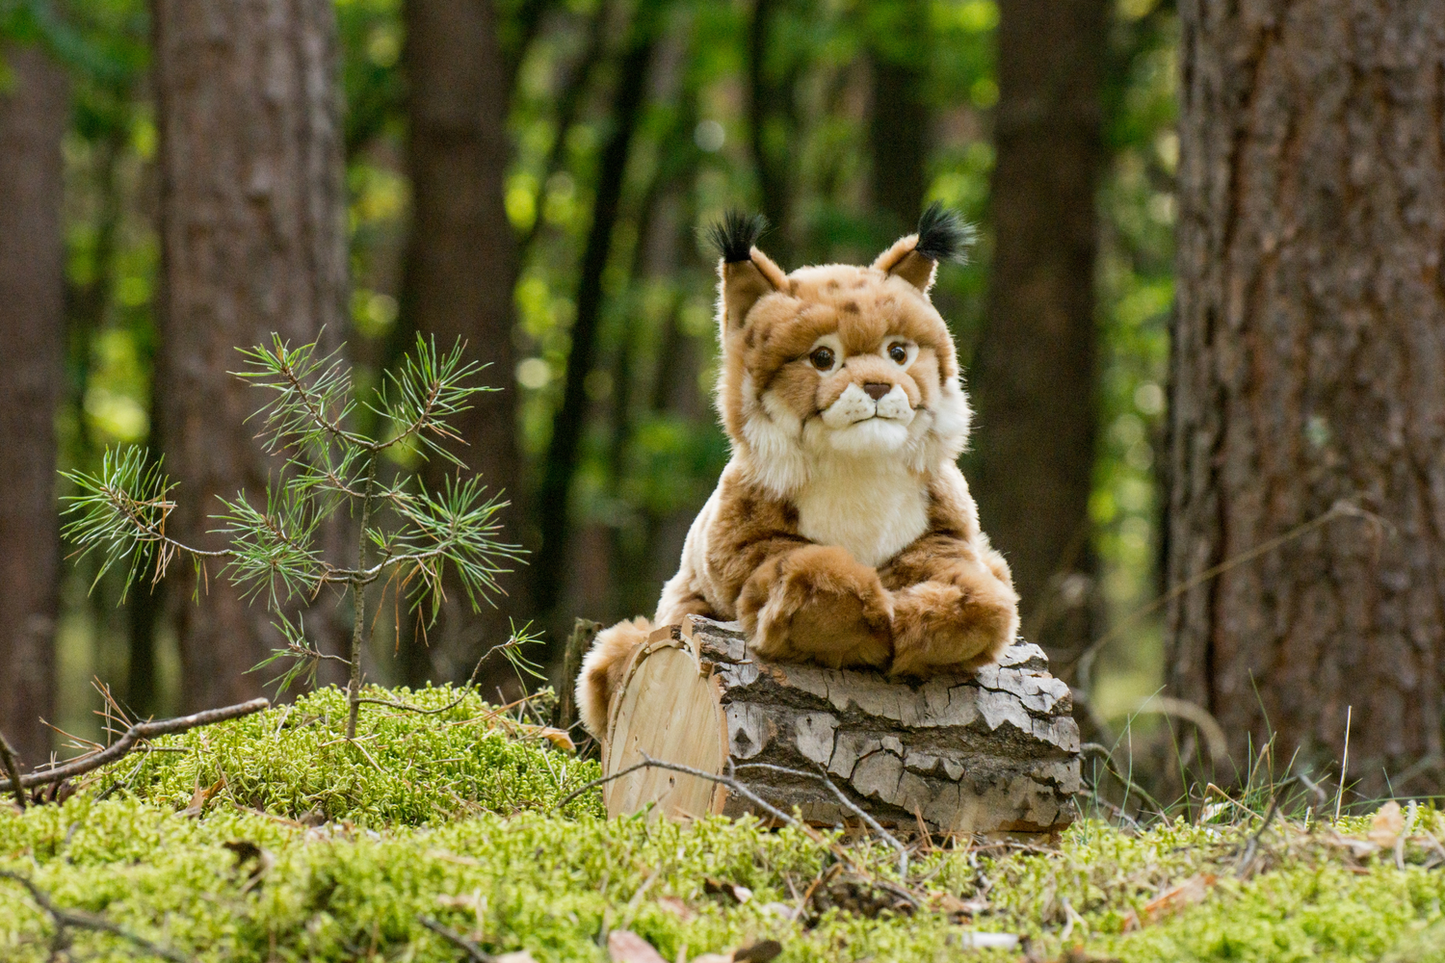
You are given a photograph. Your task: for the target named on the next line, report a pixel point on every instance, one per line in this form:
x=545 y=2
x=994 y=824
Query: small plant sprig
x=272 y=546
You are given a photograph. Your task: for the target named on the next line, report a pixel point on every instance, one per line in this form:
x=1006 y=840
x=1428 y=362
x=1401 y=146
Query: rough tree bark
x=1033 y=376
x=461 y=267
x=252 y=241
x=1309 y=370
x=34 y=113
x=995 y=752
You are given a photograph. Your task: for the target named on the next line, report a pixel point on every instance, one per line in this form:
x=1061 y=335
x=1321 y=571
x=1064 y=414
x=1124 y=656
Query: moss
x=455 y=821
x=405 y=768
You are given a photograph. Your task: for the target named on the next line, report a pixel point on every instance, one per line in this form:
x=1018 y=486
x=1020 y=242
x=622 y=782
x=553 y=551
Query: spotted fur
x=841 y=531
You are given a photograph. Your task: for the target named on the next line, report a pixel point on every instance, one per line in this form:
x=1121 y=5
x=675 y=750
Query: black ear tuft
x=943 y=235
x=734 y=236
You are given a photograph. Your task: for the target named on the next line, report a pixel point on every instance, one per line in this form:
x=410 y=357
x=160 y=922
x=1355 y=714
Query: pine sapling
x=407 y=534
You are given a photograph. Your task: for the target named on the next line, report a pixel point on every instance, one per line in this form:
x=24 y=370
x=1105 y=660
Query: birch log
x=995 y=752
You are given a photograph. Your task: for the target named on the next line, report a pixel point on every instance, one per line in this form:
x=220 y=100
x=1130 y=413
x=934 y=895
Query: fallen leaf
x=201 y=797
x=758 y=952
x=677 y=908
x=557 y=737
x=1386 y=825
x=625 y=946
x=736 y=892
x=1192 y=890
x=973 y=939
x=781 y=910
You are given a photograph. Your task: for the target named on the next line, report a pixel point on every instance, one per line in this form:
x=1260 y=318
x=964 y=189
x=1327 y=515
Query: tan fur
x=841 y=531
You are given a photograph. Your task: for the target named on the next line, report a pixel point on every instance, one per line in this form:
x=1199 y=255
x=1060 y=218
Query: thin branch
x=504 y=647
x=649 y=762
x=852 y=807
x=1340 y=509
x=7 y=757
x=137 y=732
x=472 y=950
x=88 y=921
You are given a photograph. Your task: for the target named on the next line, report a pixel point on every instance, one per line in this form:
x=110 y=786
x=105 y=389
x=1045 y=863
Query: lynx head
x=838 y=363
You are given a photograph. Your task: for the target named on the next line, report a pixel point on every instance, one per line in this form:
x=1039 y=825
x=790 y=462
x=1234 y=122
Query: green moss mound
x=312 y=850
x=405 y=768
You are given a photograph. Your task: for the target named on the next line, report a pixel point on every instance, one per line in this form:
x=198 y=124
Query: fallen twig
x=847 y=803
x=649 y=762
x=509 y=645
x=137 y=732
x=7 y=757
x=456 y=939
x=1251 y=848
x=88 y=921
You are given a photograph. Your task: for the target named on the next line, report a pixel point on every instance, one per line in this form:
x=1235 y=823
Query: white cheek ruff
x=774 y=437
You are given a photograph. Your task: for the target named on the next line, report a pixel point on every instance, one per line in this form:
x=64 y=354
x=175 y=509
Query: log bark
x=986 y=753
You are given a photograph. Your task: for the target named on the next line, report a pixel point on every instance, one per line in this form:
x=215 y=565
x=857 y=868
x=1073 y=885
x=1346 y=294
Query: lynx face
x=838 y=365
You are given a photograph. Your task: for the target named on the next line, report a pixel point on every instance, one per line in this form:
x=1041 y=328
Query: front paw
x=818 y=604
x=959 y=623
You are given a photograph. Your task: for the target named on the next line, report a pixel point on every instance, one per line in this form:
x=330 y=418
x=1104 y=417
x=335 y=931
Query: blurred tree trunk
x=564 y=451
x=34 y=113
x=1309 y=371
x=253 y=218
x=769 y=110
x=898 y=121
x=461 y=267
x=1033 y=377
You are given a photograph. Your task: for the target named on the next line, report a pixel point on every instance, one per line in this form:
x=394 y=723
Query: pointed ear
x=942 y=236
x=747 y=274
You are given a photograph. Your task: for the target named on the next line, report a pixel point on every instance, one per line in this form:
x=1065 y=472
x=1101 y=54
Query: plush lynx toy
x=841 y=532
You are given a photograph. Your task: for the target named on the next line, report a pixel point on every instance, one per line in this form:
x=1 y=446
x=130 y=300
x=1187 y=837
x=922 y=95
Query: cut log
x=995 y=752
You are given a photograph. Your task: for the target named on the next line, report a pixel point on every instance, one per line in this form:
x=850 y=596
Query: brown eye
x=898 y=353
x=822 y=358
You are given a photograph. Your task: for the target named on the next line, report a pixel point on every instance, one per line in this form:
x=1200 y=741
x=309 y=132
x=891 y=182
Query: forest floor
x=439 y=838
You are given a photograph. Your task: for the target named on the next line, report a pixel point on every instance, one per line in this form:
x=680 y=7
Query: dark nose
x=876 y=390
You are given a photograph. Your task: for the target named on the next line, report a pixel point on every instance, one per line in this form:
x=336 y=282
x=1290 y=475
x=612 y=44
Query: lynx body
x=841 y=532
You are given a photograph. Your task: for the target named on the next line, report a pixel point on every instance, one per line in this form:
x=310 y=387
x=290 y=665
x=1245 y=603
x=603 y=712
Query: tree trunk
x=253 y=217
x=34 y=113
x=995 y=752
x=1309 y=372
x=1033 y=378
x=898 y=118
x=461 y=267
x=564 y=450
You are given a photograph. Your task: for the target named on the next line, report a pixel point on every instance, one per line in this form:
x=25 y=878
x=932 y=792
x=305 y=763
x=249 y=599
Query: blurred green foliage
x=652 y=449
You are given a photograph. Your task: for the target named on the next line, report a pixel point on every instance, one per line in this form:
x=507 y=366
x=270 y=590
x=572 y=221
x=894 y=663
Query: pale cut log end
x=995 y=752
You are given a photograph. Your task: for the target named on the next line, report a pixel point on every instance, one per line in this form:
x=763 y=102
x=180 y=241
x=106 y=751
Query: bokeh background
x=603 y=134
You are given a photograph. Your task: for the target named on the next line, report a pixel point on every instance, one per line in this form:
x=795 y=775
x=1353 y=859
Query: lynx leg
x=963 y=617
x=602 y=671
x=818 y=604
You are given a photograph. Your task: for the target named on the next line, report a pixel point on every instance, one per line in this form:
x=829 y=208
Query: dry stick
x=851 y=806
x=649 y=762
x=583 y=632
x=1251 y=848
x=456 y=939
x=88 y=921
x=7 y=757
x=504 y=647
x=1344 y=764
x=137 y=732
x=1339 y=509
x=742 y=790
